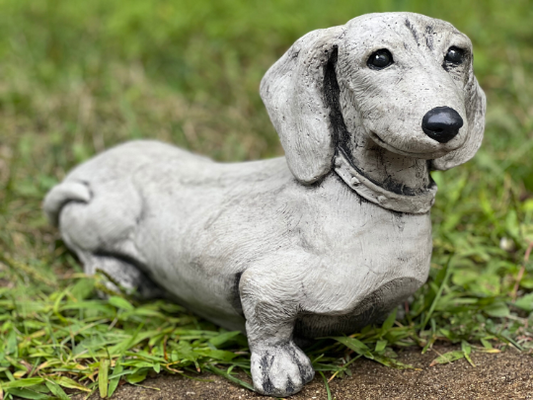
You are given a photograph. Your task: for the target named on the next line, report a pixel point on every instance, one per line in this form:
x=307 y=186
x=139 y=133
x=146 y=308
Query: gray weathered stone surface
x=321 y=242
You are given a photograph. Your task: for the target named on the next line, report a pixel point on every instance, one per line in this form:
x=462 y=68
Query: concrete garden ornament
x=323 y=241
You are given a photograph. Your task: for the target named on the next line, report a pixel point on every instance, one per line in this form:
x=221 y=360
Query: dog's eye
x=380 y=59
x=454 y=55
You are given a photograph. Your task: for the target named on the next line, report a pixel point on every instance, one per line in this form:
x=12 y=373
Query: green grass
x=78 y=77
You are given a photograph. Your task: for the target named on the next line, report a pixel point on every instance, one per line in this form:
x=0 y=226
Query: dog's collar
x=416 y=204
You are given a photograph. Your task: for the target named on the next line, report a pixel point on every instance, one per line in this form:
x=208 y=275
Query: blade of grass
x=114 y=381
x=439 y=292
x=56 y=390
x=102 y=377
x=229 y=377
x=326 y=384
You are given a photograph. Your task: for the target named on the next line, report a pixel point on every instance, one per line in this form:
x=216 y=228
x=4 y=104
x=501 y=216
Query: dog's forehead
x=403 y=29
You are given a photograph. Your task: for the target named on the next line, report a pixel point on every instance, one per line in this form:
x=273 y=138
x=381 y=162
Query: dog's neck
x=390 y=180
x=394 y=172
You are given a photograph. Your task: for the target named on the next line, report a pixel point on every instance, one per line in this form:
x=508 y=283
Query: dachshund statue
x=320 y=242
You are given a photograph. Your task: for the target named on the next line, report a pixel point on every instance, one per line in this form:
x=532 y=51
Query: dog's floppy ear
x=475 y=113
x=294 y=91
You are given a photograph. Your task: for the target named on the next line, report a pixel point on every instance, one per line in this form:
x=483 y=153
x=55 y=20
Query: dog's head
x=403 y=80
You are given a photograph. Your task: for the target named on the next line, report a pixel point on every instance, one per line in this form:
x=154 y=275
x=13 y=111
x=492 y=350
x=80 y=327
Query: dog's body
x=322 y=242
x=248 y=217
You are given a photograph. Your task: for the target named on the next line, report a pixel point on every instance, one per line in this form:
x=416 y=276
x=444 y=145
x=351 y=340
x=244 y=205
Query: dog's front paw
x=280 y=370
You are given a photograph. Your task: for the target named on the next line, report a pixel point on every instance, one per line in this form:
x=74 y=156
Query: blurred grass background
x=77 y=77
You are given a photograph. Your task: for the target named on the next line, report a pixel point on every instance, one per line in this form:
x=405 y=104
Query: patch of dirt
x=507 y=375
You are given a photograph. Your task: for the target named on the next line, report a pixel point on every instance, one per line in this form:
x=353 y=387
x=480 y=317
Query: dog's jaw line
x=429 y=156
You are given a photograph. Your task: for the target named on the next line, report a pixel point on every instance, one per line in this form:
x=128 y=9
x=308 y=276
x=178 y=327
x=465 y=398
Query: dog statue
x=323 y=241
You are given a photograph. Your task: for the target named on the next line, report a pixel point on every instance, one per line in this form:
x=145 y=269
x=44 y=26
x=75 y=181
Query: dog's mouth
x=424 y=155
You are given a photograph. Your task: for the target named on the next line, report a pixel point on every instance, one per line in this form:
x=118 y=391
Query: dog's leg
x=122 y=272
x=270 y=304
x=98 y=226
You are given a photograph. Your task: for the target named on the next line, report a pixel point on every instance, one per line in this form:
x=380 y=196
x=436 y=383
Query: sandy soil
x=507 y=375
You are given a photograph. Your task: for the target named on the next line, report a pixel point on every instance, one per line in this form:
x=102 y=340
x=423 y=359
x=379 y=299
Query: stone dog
x=323 y=241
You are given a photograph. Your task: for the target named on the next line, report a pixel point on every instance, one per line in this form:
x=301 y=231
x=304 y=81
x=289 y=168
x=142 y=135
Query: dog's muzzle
x=442 y=124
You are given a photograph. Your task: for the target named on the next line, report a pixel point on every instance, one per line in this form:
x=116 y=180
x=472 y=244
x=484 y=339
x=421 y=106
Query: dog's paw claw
x=280 y=370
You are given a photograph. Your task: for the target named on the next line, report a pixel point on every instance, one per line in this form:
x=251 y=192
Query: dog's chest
x=367 y=261
x=374 y=263
x=355 y=235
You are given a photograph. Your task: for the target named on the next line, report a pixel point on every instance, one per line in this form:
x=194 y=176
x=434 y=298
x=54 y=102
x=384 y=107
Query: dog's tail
x=62 y=194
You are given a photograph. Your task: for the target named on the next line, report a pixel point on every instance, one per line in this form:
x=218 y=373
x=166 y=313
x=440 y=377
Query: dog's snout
x=442 y=124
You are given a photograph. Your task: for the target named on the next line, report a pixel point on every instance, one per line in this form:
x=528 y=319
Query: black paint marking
x=341 y=136
x=411 y=29
x=235 y=294
x=268 y=387
x=389 y=184
x=305 y=372
x=91 y=194
x=429 y=37
x=448 y=66
x=398 y=214
x=399 y=188
x=142 y=215
x=289 y=388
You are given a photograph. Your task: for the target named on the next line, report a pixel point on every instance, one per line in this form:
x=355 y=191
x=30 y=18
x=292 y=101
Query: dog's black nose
x=442 y=124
